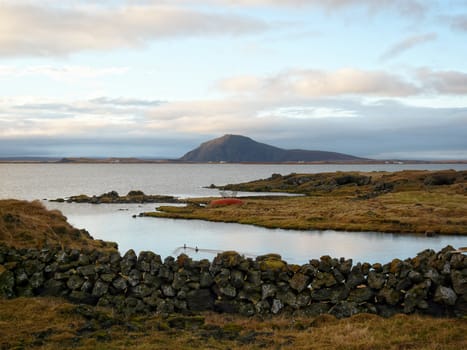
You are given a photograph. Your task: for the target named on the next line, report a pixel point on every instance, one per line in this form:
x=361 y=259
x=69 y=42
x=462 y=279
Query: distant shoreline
x=172 y=161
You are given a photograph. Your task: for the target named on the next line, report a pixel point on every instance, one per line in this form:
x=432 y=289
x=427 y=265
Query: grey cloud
x=458 y=22
x=443 y=82
x=407 y=44
x=381 y=129
x=46 y=31
x=314 y=82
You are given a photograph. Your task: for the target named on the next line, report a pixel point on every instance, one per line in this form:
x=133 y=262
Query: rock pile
x=432 y=283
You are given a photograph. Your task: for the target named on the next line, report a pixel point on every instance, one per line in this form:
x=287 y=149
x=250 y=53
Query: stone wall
x=432 y=283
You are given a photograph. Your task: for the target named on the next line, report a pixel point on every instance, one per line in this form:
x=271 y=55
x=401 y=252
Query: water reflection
x=167 y=236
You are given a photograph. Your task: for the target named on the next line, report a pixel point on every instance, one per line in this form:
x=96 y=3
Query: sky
x=382 y=79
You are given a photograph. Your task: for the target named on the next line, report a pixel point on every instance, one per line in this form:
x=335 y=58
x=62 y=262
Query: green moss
x=272 y=264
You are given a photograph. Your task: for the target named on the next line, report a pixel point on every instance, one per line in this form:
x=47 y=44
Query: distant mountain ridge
x=237 y=149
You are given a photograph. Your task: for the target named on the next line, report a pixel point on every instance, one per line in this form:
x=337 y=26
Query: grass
x=47 y=323
x=410 y=204
x=30 y=225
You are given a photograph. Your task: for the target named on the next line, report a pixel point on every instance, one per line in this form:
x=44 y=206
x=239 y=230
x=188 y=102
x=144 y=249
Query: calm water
x=166 y=236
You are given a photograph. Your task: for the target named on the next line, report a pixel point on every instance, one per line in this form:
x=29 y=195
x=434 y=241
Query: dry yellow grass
x=409 y=207
x=55 y=324
x=30 y=225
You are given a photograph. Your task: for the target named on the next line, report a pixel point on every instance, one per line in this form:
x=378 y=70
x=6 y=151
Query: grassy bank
x=55 y=324
x=30 y=225
x=402 y=202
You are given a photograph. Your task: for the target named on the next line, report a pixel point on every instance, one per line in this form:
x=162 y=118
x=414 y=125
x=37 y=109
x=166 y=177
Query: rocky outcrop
x=113 y=197
x=433 y=283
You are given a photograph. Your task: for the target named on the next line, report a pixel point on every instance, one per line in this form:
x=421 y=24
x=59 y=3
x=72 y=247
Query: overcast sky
x=380 y=79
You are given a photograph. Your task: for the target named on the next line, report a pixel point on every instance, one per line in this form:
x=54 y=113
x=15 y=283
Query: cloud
x=34 y=117
x=33 y=29
x=444 y=82
x=407 y=44
x=312 y=83
x=307 y=112
x=405 y=7
x=126 y=102
x=458 y=22
x=318 y=83
x=68 y=73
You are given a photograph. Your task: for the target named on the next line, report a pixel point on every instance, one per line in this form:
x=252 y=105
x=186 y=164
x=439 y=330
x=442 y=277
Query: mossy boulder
x=228 y=259
x=271 y=262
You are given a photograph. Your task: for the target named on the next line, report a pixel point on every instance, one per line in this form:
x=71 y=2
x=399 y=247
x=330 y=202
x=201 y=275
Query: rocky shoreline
x=432 y=283
x=113 y=197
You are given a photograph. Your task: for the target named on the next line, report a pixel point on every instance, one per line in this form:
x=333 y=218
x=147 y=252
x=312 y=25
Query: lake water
x=167 y=236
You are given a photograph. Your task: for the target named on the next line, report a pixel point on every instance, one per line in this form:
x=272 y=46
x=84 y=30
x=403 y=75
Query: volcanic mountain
x=237 y=149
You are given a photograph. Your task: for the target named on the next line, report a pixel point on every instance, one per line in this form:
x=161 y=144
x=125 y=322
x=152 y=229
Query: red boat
x=226 y=201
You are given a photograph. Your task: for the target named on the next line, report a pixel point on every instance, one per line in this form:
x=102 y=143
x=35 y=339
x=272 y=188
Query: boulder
x=316 y=309
x=345 y=266
x=271 y=262
x=356 y=277
x=246 y=309
x=144 y=261
x=7 y=283
x=416 y=295
x=75 y=282
x=254 y=277
x=180 y=280
x=376 y=280
x=333 y=294
x=389 y=296
x=168 y=290
x=87 y=270
x=54 y=288
x=141 y=291
x=445 y=295
x=21 y=277
x=134 y=277
x=108 y=277
x=237 y=278
x=200 y=300
x=100 y=288
x=277 y=306
x=299 y=282
x=263 y=307
x=268 y=291
x=323 y=279
x=288 y=298
x=37 y=280
x=205 y=279
x=459 y=281
x=228 y=291
x=228 y=259
x=120 y=283
x=128 y=261
x=360 y=295
x=344 y=309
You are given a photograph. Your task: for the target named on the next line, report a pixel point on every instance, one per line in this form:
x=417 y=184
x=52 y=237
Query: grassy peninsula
x=426 y=202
